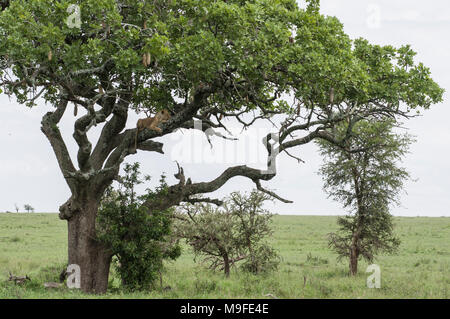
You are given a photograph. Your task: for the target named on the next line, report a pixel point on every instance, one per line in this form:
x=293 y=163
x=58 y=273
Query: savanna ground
x=36 y=244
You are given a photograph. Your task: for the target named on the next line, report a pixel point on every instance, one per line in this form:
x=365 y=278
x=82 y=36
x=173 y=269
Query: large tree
x=204 y=60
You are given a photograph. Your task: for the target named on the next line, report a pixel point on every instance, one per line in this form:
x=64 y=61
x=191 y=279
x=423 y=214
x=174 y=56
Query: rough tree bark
x=354 y=251
x=226 y=265
x=353 y=264
x=83 y=250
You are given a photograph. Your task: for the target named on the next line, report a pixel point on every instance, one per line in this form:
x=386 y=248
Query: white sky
x=29 y=173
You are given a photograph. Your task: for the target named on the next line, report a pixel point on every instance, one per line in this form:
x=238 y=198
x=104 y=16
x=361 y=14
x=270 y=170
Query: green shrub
x=139 y=239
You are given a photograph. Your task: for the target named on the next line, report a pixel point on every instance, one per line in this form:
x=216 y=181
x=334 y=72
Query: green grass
x=35 y=244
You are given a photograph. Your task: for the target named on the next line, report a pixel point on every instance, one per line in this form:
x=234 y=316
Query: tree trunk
x=92 y=257
x=354 y=254
x=226 y=265
x=353 y=265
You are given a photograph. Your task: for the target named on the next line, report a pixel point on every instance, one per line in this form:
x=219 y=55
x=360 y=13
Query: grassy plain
x=36 y=244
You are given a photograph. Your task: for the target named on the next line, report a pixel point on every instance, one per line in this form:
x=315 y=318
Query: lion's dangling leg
x=154 y=127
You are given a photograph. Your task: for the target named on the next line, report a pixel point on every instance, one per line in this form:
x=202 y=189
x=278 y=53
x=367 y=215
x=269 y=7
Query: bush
x=28 y=208
x=140 y=240
x=235 y=232
x=263 y=258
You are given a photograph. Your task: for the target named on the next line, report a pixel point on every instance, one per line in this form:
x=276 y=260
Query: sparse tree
x=366 y=178
x=201 y=60
x=16 y=207
x=28 y=208
x=235 y=232
x=253 y=224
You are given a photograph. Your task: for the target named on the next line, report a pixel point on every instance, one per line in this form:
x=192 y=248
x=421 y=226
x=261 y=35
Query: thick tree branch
x=125 y=141
x=185 y=189
x=151 y=146
x=49 y=126
x=111 y=129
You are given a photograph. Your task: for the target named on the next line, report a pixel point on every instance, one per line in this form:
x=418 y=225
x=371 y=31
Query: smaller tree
x=365 y=177
x=254 y=227
x=231 y=233
x=28 y=208
x=16 y=207
x=140 y=241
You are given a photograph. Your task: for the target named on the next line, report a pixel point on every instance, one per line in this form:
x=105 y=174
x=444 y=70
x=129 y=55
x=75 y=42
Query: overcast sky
x=29 y=173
